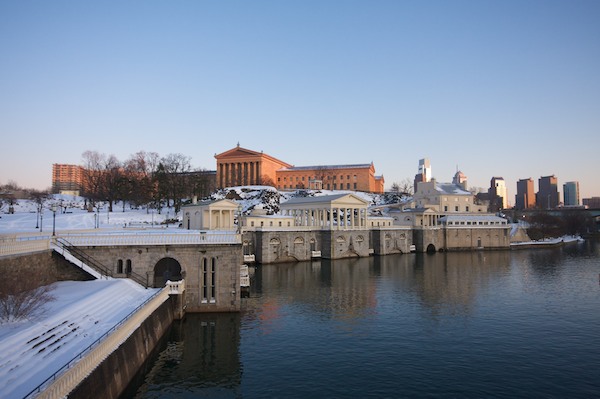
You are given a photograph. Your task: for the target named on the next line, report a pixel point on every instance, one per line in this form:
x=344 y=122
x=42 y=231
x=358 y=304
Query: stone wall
x=283 y=246
x=391 y=241
x=144 y=259
x=113 y=376
x=465 y=239
x=41 y=268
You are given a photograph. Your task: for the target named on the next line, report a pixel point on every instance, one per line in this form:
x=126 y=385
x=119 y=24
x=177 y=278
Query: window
x=445 y=208
x=341 y=177
x=252 y=224
x=467 y=208
x=354 y=177
x=348 y=186
x=355 y=186
x=120 y=266
x=348 y=177
x=271 y=223
x=128 y=266
x=213 y=279
x=204 y=272
x=456 y=208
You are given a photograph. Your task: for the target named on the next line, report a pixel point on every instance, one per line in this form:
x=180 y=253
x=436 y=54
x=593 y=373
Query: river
x=449 y=325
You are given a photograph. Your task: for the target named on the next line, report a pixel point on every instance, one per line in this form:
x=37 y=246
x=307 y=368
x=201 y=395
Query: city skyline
x=496 y=89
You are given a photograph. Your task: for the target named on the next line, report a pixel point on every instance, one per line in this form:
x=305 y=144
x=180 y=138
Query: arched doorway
x=166 y=269
x=431 y=249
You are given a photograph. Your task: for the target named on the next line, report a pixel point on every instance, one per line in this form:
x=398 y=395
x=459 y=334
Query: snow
x=82 y=312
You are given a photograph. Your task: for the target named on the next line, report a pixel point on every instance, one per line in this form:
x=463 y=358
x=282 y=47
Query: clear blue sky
x=499 y=88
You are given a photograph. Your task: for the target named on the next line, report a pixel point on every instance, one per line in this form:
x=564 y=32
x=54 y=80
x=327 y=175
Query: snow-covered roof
x=451 y=189
x=318 y=167
x=322 y=199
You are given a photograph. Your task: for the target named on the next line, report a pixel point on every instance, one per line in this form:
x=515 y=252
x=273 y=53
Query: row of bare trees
x=144 y=178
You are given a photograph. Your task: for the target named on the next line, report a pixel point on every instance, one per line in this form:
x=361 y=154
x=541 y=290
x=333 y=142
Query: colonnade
x=238 y=173
x=330 y=218
x=430 y=220
x=219 y=219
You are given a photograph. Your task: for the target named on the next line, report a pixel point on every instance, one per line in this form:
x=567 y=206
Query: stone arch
x=431 y=249
x=166 y=269
x=298 y=240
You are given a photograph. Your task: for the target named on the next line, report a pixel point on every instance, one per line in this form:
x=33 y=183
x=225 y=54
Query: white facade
x=328 y=212
x=445 y=198
x=210 y=215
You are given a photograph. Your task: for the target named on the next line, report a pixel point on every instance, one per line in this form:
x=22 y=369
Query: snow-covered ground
x=83 y=311
x=33 y=350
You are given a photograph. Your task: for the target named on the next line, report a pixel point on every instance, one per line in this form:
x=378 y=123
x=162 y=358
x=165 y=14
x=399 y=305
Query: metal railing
x=152 y=238
x=59 y=384
x=21 y=244
x=95 y=264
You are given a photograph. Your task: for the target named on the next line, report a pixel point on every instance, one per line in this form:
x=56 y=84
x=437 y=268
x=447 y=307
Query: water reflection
x=472 y=324
x=202 y=354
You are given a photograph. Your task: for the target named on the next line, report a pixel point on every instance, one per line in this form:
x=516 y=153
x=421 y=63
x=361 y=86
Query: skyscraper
x=525 y=197
x=497 y=193
x=571 y=193
x=547 y=196
x=424 y=173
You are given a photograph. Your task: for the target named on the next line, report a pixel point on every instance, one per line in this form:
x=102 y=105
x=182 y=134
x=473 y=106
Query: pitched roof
x=317 y=167
x=244 y=152
x=452 y=189
x=322 y=198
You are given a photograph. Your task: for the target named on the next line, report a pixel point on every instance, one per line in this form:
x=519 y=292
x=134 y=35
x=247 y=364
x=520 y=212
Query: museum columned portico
x=330 y=212
x=238 y=174
x=329 y=218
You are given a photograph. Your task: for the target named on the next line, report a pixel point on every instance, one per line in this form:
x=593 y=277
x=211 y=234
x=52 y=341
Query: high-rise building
x=571 y=193
x=525 y=197
x=424 y=174
x=67 y=179
x=498 y=194
x=547 y=195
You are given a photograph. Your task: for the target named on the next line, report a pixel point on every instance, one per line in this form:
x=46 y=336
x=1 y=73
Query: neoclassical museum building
x=243 y=167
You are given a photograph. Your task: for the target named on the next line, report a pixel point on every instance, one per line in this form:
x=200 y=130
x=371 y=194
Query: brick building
x=67 y=179
x=240 y=166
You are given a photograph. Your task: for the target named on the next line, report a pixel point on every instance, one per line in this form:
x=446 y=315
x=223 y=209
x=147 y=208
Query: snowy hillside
x=71 y=213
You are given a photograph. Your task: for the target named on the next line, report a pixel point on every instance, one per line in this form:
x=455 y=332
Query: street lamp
x=53 y=219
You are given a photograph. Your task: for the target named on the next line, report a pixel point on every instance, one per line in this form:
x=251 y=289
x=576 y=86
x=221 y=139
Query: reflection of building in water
x=204 y=352
x=342 y=289
x=446 y=283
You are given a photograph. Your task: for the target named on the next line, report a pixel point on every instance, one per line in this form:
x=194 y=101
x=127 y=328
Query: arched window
x=120 y=266
x=128 y=266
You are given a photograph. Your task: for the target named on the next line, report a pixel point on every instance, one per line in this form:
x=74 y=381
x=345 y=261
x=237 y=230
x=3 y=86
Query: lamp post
x=53 y=219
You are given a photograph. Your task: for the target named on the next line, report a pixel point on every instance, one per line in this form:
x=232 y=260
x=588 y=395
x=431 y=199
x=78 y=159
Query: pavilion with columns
x=328 y=212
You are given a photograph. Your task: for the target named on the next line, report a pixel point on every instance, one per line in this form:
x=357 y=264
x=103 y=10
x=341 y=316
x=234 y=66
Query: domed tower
x=460 y=179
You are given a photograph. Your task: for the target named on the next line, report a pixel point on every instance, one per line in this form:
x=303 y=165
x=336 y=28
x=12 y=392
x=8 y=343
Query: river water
x=449 y=325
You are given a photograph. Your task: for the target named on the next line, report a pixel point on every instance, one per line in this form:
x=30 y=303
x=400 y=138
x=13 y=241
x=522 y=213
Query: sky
x=493 y=88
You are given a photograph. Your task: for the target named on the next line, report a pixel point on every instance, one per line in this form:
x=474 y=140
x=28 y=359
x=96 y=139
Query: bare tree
x=172 y=176
x=93 y=163
x=20 y=298
x=111 y=180
x=139 y=171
